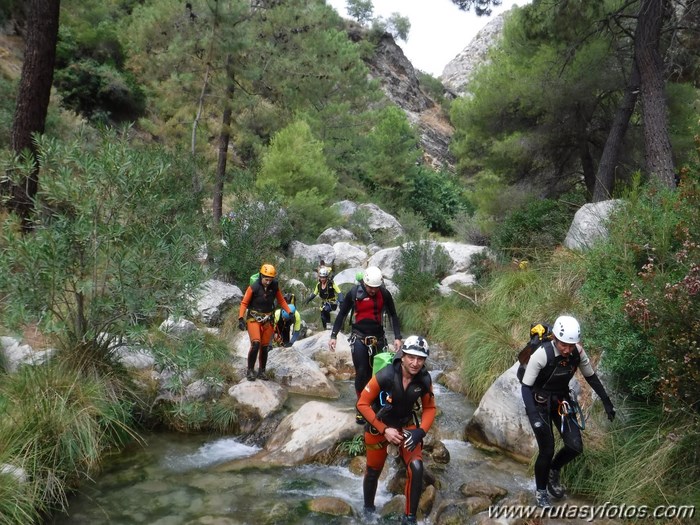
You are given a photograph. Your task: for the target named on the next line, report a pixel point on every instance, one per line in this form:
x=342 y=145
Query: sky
x=439 y=30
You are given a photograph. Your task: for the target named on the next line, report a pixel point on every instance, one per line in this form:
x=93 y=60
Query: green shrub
x=647 y=459
x=253 y=232
x=100 y=92
x=538 y=226
x=352 y=447
x=195 y=352
x=422 y=265
x=643 y=288
x=113 y=244
x=438 y=198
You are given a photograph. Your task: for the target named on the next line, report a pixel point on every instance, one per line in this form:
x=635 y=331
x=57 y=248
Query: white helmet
x=373 y=277
x=416 y=345
x=323 y=271
x=567 y=329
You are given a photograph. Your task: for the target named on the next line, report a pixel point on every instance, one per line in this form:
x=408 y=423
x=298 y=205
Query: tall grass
x=647 y=459
x=56 y=425
x=487 y=331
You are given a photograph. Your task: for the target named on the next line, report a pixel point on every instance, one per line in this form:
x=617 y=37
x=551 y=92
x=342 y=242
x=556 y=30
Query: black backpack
x=539 y=333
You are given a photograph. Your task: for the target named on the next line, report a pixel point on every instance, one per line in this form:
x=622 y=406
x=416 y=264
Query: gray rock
x=213 y=299
x=589 y=224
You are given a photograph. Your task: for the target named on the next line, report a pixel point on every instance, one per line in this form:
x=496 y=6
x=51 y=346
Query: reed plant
x=647 y=458
x=56 y=426
x=488 y=329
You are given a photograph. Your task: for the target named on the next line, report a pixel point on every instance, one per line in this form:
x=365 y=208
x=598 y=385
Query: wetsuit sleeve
x=538 y=360
x=585 y=365
x=295 y=335
x=429 y=410
x=364 y=405
x=310 y=298
x=282 y=302
x=337 y=291
x=245 y=302
x=597 y=387
x=343 y=311
x=297 y=322
x=391 y=310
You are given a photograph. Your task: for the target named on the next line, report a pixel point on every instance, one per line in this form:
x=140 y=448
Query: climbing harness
x=572 y=410
x=260 y=317
x=370 y=341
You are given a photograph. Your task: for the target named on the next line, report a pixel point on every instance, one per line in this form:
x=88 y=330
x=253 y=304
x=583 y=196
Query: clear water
x=172 y=480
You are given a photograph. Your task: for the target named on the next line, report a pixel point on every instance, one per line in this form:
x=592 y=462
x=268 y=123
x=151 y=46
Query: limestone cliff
x=399 y=82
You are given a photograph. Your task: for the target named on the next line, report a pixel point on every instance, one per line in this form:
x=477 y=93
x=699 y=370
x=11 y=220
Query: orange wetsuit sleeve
x=282 y=302
x=364 y=405
x=429 y=410
x=245 y=302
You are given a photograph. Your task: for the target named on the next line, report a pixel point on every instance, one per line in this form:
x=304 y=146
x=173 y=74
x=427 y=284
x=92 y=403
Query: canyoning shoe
x=250 y=375
x=542 y=499
x=409 y=519
x=556 y=489
x=263 y=375
x=359 y=419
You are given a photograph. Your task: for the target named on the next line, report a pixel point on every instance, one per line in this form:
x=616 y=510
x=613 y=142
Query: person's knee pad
x=416 y=467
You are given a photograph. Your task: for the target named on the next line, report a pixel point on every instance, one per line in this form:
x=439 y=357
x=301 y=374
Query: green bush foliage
x=295 y=168
x=663 y=303
x=113 y=246
x=539 y=225
x=100 y=92
x=438 y=198
x=647 y=459
x=253 y=232
x=644 y=292
x=422 y=265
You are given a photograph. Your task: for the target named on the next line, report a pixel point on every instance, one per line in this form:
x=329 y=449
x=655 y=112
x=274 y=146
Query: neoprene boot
x=542 y=499
x=556 y=489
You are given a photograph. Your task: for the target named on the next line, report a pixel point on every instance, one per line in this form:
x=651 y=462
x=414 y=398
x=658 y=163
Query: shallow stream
x=170 y=480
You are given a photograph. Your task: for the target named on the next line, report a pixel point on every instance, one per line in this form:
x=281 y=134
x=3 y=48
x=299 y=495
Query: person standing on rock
x=256 y=315
x=369 y=299
x=330 y=295
x=388 y=403
x=548 y=403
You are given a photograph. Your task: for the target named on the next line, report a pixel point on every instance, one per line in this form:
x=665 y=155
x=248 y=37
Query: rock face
x=399 y=82
x=459 y=71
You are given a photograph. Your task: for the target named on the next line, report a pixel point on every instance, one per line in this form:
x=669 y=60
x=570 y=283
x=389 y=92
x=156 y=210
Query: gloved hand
x=609 y=408
x=241 y=324
x=412 y=437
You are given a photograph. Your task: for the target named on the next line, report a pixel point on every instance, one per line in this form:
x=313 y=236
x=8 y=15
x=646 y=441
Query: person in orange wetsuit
x=256 y=315
x=388 y=404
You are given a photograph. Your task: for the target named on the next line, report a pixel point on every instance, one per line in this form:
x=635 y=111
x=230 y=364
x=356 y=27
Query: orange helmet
x=267 y=270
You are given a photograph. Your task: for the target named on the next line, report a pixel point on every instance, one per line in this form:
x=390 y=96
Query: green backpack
x=381 y=360
x=254 y=278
